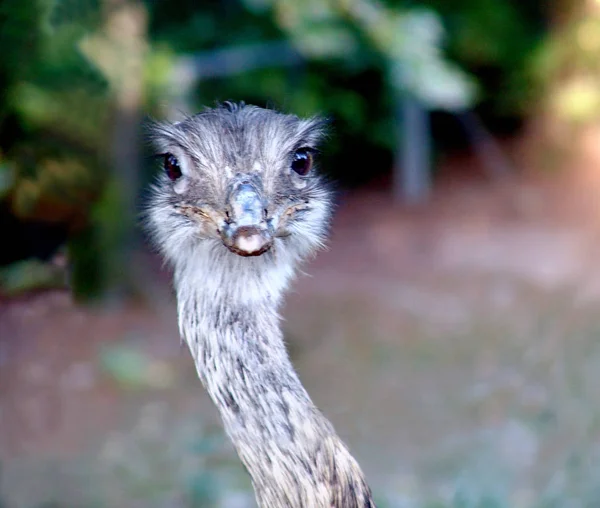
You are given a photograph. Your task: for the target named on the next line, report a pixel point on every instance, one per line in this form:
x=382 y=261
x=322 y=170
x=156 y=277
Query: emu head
x=239 y=181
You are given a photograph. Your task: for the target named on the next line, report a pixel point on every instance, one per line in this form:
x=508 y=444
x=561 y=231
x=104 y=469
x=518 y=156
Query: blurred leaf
x=127 y=365
x=489 y=32
x=53 y=110
x=131 y=368
x=28 y=275
x=324 y=40
x=420 y=68
x=7 y=178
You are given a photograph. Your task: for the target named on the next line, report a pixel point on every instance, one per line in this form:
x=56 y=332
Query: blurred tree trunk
x=412 y=167
x=126 y=25
x=119 y=51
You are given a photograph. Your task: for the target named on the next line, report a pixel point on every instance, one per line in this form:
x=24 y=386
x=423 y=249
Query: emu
x=238 y=206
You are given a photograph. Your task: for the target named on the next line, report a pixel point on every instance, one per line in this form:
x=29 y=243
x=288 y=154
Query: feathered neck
x=228 y=316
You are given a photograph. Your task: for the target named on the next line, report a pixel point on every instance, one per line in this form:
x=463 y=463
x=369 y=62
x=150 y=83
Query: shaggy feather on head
x=240 y=181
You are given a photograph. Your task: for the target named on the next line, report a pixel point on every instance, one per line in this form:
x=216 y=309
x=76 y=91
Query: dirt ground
x=454 y=346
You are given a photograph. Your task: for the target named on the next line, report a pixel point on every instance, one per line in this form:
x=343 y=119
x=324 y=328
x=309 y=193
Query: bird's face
x=241 y=180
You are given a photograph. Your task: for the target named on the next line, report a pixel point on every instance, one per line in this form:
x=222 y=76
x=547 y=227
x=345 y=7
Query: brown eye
x=302 y=161
x=171 y=165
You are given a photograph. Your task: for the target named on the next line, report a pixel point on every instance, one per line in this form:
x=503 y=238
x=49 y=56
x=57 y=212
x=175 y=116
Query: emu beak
x=247 y=231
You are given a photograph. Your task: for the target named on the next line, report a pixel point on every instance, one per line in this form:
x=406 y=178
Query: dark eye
x=302 y=161
x=171 y=165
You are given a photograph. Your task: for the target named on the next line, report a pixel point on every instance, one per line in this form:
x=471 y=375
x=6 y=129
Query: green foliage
x=56 y=126
x=57 y=89
x=46 y=79
x=359 y=54
x=30 y=274
x=496 y=40
x=53 y=112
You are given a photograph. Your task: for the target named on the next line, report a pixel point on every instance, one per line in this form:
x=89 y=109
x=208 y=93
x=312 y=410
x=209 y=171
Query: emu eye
x=171 y=165
x=302 y=161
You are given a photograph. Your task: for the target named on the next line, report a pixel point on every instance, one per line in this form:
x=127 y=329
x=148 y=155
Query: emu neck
x=289 y=448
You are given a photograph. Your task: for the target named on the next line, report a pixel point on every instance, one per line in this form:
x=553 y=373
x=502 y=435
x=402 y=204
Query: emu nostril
x=250 y=241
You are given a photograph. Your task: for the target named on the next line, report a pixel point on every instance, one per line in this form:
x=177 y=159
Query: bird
x=238 y=206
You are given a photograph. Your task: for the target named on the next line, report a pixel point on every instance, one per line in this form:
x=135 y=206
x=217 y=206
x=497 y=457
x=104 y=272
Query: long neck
x=289 y=448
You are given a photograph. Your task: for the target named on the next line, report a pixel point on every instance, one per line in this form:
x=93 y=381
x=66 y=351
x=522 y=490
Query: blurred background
x=450 y=332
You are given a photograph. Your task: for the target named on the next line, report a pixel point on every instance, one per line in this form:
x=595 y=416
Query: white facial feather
x=212 y=148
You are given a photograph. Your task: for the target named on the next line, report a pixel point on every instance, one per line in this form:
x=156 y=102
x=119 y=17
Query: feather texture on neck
x=289 y=448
